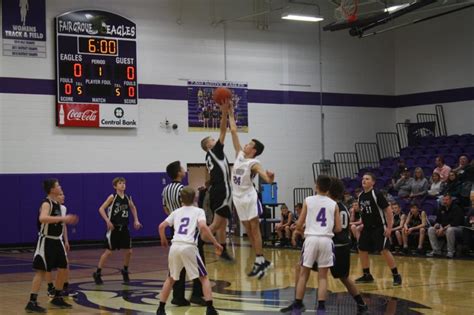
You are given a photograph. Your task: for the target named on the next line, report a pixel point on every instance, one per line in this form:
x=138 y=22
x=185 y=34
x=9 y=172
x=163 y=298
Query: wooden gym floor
x=430 y=286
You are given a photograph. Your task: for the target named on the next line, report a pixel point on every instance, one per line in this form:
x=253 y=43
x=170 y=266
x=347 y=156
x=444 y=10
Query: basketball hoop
x=348 y=10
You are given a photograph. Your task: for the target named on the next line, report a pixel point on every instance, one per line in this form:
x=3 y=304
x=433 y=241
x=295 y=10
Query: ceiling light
x=304 y=18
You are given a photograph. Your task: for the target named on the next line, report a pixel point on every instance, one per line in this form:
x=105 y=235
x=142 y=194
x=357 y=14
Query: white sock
x=259 y=260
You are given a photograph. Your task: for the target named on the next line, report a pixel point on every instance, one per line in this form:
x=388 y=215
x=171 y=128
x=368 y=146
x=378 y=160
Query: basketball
x=221 y=94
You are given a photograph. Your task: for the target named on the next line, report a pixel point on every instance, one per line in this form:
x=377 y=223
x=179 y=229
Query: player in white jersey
x=187 y=221
x=244 y=194
x=320 y=219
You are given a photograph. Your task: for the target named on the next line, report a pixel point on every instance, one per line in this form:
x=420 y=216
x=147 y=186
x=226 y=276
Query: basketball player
x=342 y=251
x=377 y=218
x=65 y=240
x=283 y=227
x=320 y=218
x=220 y=193
x=119 y=206
x=183 y=252
x=244 y=194
x=50 y=253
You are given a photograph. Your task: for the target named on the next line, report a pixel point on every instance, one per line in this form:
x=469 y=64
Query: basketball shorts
x=220 y=203
x=248 y=206
x=342 y=262
x=317 y=249
x=50 y=254
x=185 y=256
x=372 y=239
x=118 y=238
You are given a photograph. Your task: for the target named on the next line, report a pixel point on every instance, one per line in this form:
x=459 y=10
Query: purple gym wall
x=84 y=195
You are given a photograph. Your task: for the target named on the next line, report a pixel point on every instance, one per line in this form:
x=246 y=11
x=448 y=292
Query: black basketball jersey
x=415 y=220
x=119 y=210
x=344 y=237
x=284 y=217
x=396 y=219
x=372 y=205
x=218 y=168
x=51 y=229
x=356 y=215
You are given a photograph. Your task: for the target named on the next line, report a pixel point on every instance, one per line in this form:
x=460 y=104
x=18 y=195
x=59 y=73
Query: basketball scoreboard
x=96 y=70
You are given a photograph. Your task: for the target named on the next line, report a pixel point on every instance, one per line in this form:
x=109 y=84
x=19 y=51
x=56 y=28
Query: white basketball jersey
x=185 y=223
x=320 y=216
x=242 y=182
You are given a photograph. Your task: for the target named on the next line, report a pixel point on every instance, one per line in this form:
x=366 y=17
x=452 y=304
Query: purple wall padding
x=22 y=195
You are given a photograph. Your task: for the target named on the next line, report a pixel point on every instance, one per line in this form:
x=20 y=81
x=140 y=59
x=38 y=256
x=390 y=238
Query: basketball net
x=347 y=10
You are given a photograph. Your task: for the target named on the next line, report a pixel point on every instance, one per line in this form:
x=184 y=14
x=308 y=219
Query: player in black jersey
x=283 y=228
x=378 y=221
x=119 y=206
x=220 y=191
x=50 y=253
x=342 y=250
x=415 y=227
x=398 y=223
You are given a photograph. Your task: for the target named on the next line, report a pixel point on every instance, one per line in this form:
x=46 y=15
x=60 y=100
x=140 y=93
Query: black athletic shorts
x=50 y=254
x=118 y=238
x=220 y=203
x=342 y=262
x=372 y=239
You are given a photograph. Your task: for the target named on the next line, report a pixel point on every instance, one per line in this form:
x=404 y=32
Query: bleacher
x=381 y=156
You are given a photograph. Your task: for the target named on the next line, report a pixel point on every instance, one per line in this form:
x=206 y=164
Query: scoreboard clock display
x=96 y=70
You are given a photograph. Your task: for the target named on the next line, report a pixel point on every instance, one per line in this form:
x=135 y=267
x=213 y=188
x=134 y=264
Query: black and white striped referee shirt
x=171 y=196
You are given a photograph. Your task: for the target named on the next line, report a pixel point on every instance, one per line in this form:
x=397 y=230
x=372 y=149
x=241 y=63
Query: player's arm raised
x=233 y=131
x=47 y=219
x=224 y=119
x=267 y=176
x=104 y=216
x=136 y=223
x=337 y=221
x=207 y=235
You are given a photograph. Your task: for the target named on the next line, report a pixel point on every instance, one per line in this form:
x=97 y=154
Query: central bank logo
x=142 y=296
x=119 y=112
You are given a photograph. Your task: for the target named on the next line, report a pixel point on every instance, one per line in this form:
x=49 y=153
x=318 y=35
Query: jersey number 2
x=321 y=217
x=183 y=228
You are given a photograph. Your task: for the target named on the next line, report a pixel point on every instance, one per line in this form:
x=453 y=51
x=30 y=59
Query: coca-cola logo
x=86 y=115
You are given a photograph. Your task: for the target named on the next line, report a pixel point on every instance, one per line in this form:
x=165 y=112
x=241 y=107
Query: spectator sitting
x=357 y=193
x=398 y=223
x=297 y=234
x=420 y=185
x=436 y=185
x=283 y=228
x=468 y=232
x=462 y=164
x=415 y=227
x=441 y=168
x=404 y=184
x=356 y=220
x=387 y=196
x=449 y=222
x=348 y=199
x=397 y=174
x=453 y=186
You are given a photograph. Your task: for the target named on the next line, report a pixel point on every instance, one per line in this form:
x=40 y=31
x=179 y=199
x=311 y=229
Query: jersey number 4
x=321 y=217
x=237 y=180
x=183 y=228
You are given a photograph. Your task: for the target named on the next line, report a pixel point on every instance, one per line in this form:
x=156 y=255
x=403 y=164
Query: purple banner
x=204 y=113
x=24 y=28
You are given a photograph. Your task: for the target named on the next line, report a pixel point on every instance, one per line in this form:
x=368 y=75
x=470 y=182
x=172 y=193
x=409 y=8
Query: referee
x=172 y=201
